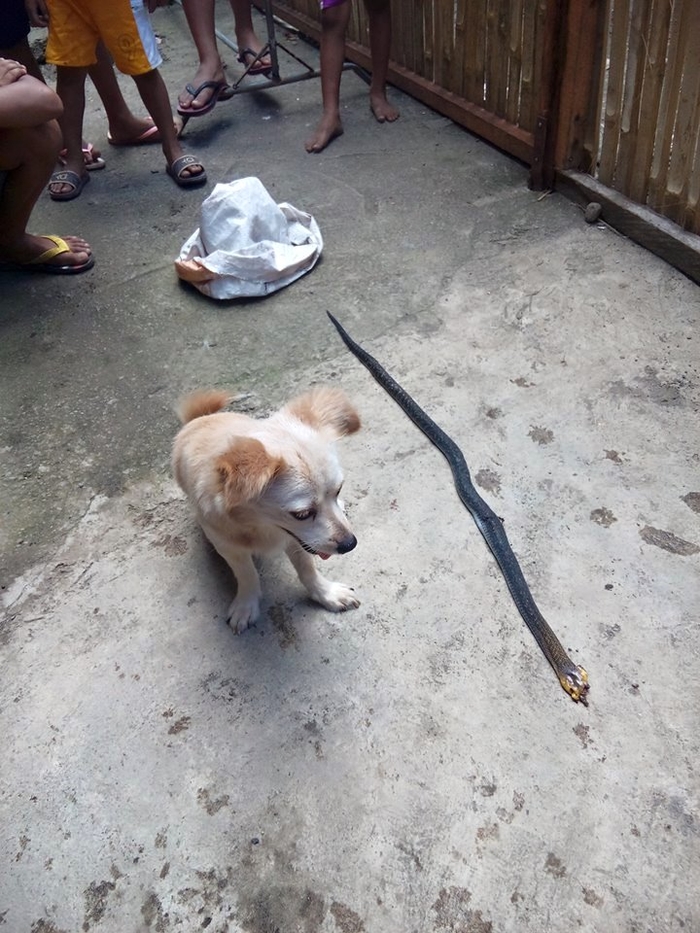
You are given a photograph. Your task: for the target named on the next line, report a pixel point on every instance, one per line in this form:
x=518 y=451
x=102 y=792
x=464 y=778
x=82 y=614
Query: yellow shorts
x=76 y=26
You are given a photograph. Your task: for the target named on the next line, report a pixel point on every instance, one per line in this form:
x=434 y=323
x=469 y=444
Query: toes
x=337 y=597
x=242 y=614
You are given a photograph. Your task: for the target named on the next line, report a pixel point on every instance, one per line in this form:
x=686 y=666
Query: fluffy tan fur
x=264 y=485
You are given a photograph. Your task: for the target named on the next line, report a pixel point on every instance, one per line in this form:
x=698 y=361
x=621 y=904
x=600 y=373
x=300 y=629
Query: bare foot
x=187 y=101
x=327 y=130
x=381 y=108
x=31 y=247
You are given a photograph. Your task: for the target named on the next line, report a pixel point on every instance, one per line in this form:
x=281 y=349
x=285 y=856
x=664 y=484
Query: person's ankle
x=211 y=64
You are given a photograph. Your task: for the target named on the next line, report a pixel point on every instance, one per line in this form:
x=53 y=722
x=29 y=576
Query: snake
x=572 y=677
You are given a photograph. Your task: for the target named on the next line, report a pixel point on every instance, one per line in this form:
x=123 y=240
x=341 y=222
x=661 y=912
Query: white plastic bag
x=246 y=244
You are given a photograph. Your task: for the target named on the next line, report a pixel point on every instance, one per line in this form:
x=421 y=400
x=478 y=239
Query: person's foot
x=249 y=47
x=188 y=170
x=253 y=64
x=381 y=108
x=92 y=157
x=327 y=130
x=133 y=131
x=189 y=102
x=30 y=248
x=69 y=181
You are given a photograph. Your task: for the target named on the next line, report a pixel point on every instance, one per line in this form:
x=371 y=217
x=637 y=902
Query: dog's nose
x=347 y=544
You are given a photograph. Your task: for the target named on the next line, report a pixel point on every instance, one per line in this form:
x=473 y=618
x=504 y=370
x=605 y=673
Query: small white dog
x=265 y=485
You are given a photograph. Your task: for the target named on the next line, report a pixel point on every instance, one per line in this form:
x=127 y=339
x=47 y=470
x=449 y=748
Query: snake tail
x=572 y=677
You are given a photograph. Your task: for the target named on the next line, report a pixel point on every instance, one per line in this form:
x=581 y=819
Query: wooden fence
x=648 y=141
x=610 y=88
x=473 y=60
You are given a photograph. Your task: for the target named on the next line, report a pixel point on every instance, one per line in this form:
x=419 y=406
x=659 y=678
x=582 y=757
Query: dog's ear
x=326 y=407
x=245 y=470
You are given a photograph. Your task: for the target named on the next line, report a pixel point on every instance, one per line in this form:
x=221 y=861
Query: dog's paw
x=336 y=596
x=242 y=613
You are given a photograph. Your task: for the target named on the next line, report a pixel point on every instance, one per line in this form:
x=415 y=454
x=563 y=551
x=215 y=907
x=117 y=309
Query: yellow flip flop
x=41 y=262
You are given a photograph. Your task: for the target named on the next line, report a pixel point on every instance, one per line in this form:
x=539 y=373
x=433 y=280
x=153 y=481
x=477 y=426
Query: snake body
x=573 y=678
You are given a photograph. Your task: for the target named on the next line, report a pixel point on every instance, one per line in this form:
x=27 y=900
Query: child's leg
x=334 y=22
x=123 y=125
x=379 y=13
x=200 y=16
x=70 y=87
x=245 y=33
x=154 y=94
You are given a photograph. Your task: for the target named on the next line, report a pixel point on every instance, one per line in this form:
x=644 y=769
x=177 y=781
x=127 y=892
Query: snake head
x=575 y=682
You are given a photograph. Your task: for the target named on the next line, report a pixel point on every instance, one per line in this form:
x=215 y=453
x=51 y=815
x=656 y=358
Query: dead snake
x=573 y=678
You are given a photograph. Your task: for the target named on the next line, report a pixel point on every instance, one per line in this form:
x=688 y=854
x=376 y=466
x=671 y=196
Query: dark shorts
x=14 y=23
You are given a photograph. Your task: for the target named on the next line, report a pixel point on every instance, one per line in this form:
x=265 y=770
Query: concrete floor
x=412 y=765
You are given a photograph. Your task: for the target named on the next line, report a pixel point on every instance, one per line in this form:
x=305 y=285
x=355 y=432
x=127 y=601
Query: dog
x=260 y=486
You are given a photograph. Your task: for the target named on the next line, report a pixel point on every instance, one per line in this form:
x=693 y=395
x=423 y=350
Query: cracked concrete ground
x=412 y=765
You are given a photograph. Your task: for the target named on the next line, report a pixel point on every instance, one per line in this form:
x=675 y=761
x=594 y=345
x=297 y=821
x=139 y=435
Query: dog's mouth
x=307 y=547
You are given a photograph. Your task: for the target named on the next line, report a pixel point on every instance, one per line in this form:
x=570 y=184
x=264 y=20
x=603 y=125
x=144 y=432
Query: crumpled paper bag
x=246 y=244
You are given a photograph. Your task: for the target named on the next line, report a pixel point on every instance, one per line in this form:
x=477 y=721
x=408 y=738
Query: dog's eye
x=303 y=514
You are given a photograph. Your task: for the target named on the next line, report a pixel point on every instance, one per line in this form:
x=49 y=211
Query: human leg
x=379 y=13
x=130 y=39
x=200 y=16
x=249 y=46
x=154 y=94
x=71 y=47
x=70 y=87
x=27 y=157
x=334 y=22
x=124 y=126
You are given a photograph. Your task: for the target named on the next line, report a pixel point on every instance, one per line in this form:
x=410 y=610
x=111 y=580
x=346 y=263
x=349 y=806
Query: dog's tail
x=203 y=402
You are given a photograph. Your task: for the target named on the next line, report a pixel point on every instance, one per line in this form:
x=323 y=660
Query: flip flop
x=151 y=135
x=217 y=89
x=176 y=169
x=77 y=183
x=40 y=263
x=257 y=67
x=91 y=162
